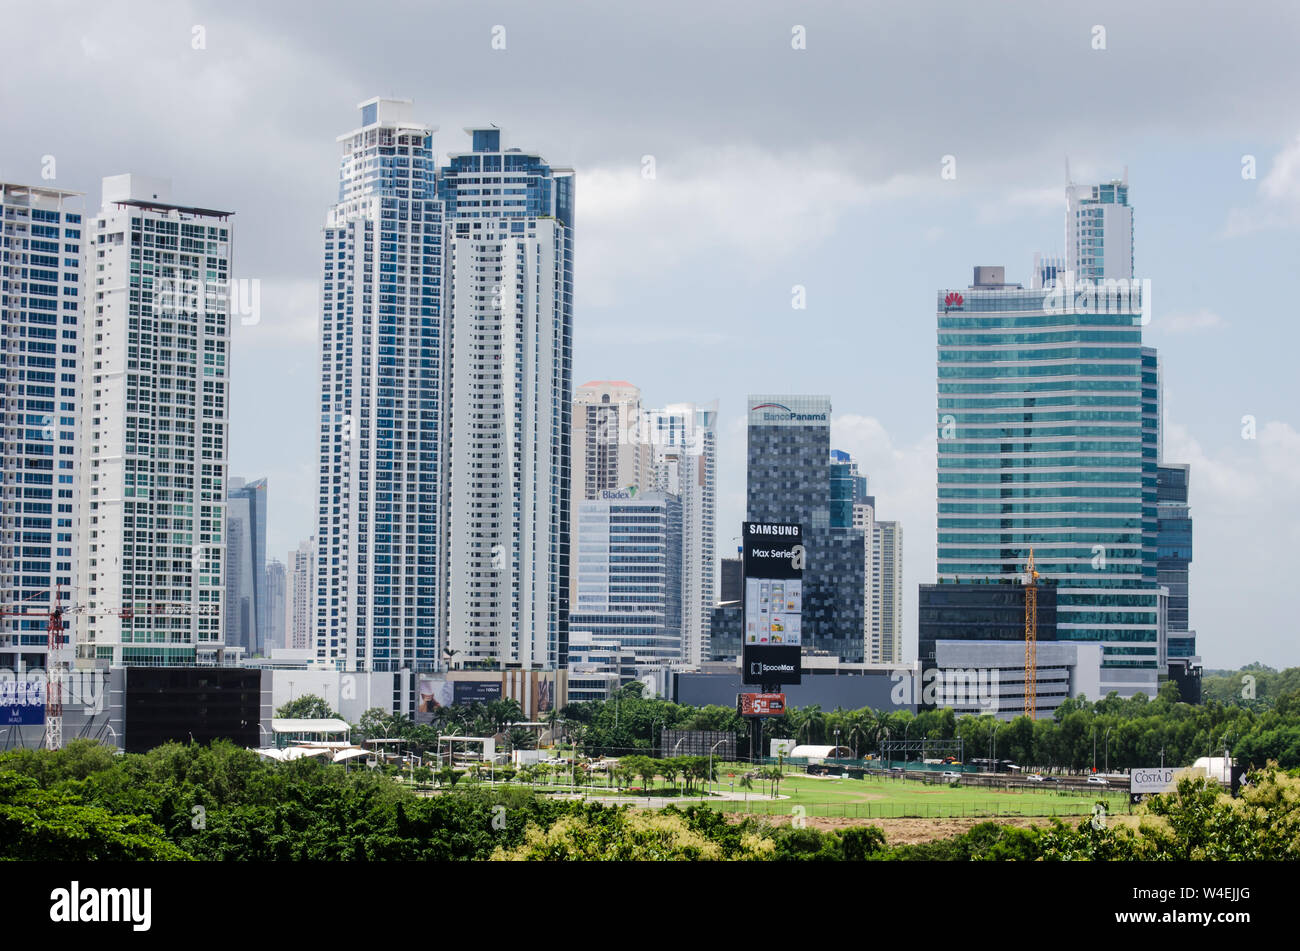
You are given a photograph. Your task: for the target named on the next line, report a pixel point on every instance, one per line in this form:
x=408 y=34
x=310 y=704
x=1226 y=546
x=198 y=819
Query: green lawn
x=874 y=797
x=879 y=797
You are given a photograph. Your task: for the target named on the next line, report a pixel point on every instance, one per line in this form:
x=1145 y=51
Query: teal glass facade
x=1048 y=437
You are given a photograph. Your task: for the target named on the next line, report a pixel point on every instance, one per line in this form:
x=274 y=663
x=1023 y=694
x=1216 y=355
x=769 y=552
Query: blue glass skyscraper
x=1048 y=440
x=378 y=574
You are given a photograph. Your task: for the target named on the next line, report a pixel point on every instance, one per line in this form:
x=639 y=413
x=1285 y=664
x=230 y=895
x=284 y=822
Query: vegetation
x=225 y=803
x=1120 y=734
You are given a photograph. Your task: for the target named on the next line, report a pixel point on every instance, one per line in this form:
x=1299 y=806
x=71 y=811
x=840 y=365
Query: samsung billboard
x=772 y=565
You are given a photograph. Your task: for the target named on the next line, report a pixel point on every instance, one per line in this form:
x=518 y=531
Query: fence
x=1029 y=808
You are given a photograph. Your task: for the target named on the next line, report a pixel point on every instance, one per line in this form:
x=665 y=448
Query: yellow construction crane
x=1030 y=582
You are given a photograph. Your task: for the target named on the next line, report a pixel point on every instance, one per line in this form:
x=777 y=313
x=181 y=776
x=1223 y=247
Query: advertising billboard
x=476 y=691
x=22 y=702
x=1153 y=779
x=432 y=692
x=762 y=704
x=772 y=557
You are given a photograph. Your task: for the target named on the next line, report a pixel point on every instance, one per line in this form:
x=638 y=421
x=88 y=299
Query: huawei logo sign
x=953 y=300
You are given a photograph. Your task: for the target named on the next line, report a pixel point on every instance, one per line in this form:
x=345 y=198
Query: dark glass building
x=790 y=480
x=1174 y=554
x=976 y=611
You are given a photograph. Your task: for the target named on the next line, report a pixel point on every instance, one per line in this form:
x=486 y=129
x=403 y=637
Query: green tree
x=307 y=707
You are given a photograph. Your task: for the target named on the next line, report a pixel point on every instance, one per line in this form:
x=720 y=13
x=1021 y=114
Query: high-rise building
x=1043 y=446
x=1099 y=231
x=610 y=448
x=276 y=599
x=1174 y=554
x=246 y=599
x=509 y=274
x=789 y=480
x=154 y=429
x=42 y=296
x=886 y=572
x=443 y=522
x=630 y=573
x=848 y=488
x=300 y=596
x=684 y=440
x=379 y=530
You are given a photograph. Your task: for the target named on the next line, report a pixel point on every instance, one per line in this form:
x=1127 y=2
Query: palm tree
x=552 y=718
x=813 y=725
x=859 y=729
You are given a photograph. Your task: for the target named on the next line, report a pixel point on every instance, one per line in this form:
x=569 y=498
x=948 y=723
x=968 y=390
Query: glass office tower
x=789 y=480
x=1042 y=445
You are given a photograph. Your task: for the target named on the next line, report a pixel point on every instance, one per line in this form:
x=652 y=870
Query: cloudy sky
x=773 y=167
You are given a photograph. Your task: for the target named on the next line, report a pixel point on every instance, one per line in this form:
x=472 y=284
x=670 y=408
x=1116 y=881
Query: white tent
x=820 y=752
x=353 y=753
x=298 y=752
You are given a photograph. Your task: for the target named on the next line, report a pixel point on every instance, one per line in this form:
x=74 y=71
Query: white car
x=949 y=774
x=1098 y=781
x=1035 y=778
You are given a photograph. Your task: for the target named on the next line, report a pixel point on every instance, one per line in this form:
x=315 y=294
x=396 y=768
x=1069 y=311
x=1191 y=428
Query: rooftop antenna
x=1067 y=171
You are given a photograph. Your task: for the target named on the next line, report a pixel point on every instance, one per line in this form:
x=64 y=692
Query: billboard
x=762 y=704
x=772 y=557
x=1153 y=779
x=475 y=691
x=431 y=693
x=22 y=702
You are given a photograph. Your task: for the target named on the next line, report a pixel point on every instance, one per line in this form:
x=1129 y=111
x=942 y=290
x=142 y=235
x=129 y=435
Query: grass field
x=878 y=797
x=875 y=797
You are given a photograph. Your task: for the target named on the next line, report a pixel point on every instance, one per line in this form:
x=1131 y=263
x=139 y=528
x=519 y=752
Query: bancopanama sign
x=780 y=413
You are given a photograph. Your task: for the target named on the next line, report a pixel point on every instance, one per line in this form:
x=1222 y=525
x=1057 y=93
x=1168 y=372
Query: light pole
x=709 y=778
x=1094 y=748
x=837 y=745
x=1108 y=729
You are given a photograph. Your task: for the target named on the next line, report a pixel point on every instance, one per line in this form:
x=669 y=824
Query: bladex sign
x=773 y=559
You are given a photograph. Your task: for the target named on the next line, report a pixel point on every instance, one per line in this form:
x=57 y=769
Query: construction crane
x=1030 y=582
x=56 y=666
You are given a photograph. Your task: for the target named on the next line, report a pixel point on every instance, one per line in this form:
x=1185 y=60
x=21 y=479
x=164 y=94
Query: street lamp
x=711 y=749
x=1108 y=729
x=837 y=745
